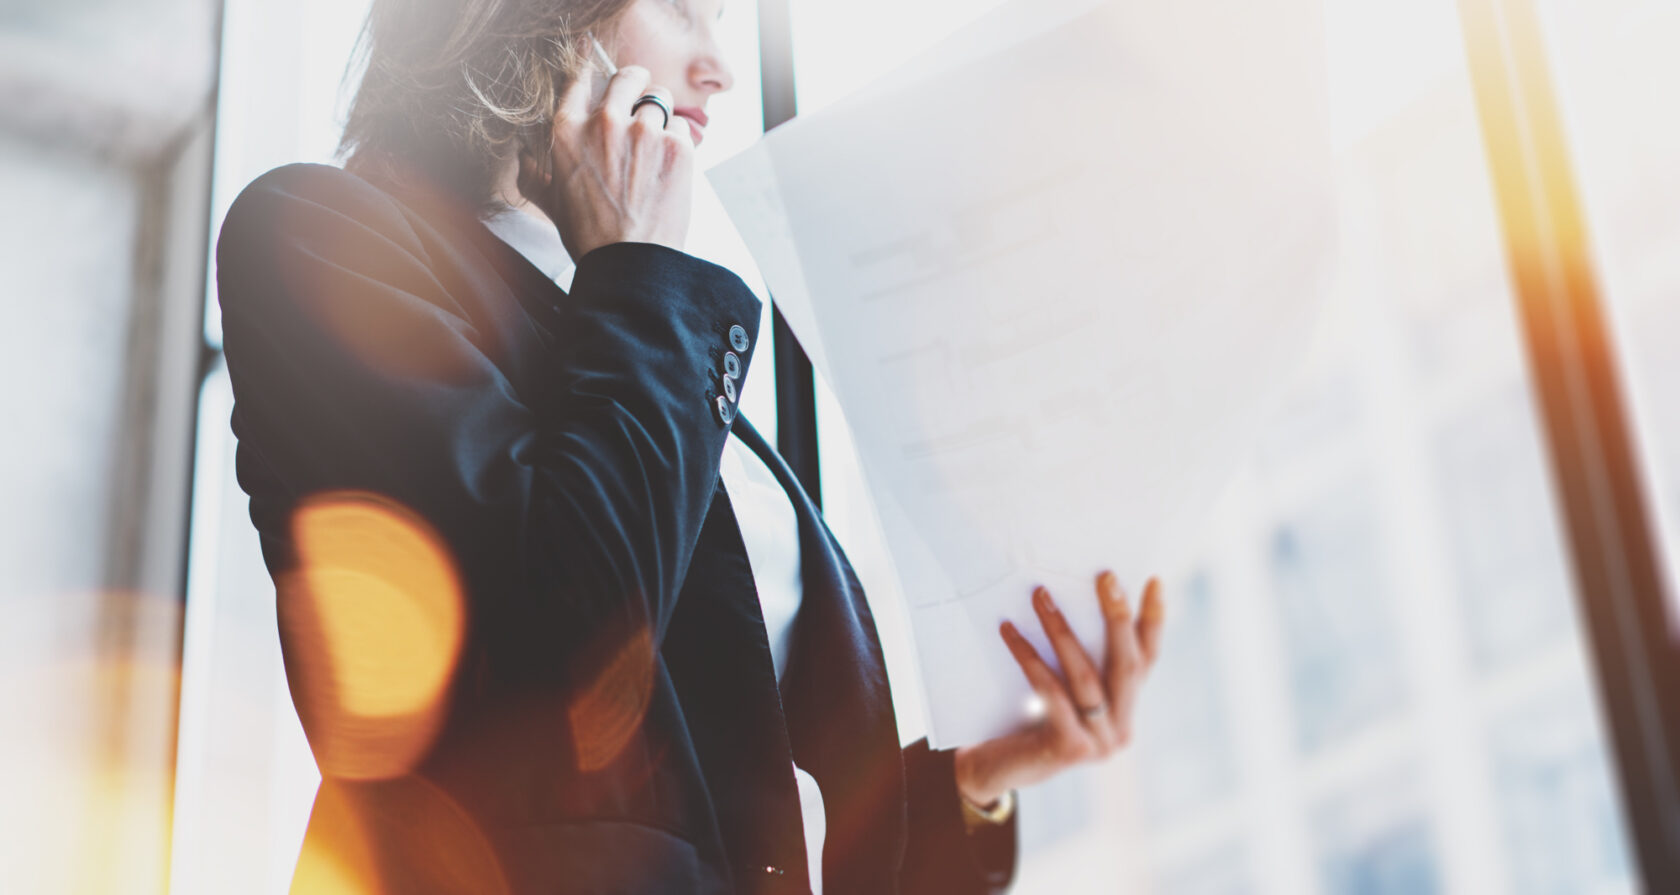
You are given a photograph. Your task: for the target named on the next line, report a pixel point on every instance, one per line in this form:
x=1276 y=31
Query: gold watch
x=998 y=813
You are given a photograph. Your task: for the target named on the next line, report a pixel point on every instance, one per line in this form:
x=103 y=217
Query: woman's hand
x=613 y=176
x=1088 y=710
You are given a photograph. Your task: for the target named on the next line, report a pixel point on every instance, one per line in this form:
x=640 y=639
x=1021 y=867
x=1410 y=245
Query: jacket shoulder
x=293 y=199
x=296 y=225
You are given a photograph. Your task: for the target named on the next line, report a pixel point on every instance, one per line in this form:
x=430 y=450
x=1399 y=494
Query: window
x=1374 y=679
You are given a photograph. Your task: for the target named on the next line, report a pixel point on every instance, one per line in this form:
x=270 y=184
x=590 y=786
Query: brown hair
x=452 y=88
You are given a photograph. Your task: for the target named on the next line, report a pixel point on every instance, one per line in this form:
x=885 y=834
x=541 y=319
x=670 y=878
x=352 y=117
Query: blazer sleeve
x=941 y=857
x=360 y=364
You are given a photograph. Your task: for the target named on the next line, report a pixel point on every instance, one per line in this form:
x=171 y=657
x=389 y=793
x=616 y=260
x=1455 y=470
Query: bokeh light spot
x=393 y=837
x=372 y=622
x=607 y=714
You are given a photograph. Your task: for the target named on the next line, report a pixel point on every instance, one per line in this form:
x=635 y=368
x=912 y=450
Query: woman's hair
x=453 y=88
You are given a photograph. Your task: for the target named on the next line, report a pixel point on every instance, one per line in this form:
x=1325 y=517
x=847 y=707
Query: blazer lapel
x=837 y=702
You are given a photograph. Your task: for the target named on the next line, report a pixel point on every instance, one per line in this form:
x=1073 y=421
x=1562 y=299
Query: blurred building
x=105 y=136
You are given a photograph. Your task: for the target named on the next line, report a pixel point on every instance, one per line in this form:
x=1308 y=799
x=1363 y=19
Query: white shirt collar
x=534 y=238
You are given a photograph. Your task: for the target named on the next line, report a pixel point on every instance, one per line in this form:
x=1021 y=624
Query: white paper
x=1053 y=281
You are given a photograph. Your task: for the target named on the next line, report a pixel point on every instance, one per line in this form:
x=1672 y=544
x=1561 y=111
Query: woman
x=665 y=677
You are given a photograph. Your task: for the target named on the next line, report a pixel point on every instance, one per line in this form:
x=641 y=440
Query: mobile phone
x=602 y=57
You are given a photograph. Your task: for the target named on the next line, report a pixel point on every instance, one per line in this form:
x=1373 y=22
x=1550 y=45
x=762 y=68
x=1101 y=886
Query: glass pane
x=241 y=749
x=1374 y=678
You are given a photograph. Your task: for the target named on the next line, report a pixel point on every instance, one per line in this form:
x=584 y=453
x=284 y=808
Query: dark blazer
x=565 y=448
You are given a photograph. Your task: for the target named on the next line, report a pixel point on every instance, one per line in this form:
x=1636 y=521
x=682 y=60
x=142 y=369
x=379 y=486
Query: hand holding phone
x=615 y=174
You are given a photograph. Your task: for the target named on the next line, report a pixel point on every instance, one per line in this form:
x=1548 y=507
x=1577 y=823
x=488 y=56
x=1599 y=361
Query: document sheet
x=1054 y=271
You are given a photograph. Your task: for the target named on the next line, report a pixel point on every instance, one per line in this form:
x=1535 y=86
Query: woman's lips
x=697 y=121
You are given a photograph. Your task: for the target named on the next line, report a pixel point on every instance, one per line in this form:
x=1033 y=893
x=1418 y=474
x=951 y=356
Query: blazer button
x=738 y=337
x=731 y=364
x=725 y=410
x=729 y=390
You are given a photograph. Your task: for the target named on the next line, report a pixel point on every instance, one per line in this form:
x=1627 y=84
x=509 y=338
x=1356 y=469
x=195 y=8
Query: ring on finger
x=653 y=99
x=1093 y=712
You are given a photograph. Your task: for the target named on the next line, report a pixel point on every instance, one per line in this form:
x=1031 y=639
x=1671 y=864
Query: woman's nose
x=710 y=73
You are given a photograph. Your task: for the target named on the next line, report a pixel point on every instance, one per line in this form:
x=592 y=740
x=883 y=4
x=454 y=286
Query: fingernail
x=1045 y=603
x=1153 y=609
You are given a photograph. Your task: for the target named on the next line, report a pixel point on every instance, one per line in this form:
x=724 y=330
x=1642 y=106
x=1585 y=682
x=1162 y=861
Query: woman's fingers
x=1125 y=657
x=617 y=173
x=1062 y=737
x=1065 y=736
x=1040 y=676
x=575 y=101
x=1084 y=681
x=1151 y=615
x=625 y=88
x=653 y=116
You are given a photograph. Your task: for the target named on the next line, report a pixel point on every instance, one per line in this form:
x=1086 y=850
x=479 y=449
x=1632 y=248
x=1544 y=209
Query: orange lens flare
x=607 y=714
x=372 y=621
x=89 y=754
x=392 y=838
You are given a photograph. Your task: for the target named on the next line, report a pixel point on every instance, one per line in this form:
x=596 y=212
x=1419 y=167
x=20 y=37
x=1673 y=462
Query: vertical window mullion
x=1600 y=485
x=796 y=393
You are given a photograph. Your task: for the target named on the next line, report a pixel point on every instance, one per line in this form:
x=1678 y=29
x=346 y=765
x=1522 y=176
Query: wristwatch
x=996 y=814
